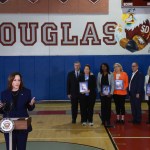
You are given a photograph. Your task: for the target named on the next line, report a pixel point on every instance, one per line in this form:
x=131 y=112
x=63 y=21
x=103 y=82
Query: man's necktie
x=77 y=74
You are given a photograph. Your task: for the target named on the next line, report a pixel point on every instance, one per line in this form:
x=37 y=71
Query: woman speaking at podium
x=15 y=103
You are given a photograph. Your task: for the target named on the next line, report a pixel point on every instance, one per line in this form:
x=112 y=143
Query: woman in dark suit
x=18 y=99
x=87 y=98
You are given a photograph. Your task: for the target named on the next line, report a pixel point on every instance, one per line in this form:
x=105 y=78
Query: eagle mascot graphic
x=135 y=35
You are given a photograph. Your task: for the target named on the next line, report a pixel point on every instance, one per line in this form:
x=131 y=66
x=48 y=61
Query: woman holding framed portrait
x=120 y=92
x=105 y=86
x=87 y=83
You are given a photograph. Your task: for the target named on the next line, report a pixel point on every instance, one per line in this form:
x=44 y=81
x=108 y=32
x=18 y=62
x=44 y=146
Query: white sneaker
x=91 y=124
x=84 y=124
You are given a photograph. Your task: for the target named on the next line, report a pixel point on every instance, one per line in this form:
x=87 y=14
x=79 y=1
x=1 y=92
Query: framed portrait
x=148 y=89
x=105 y=89
x=119 y=85
x=83 y=86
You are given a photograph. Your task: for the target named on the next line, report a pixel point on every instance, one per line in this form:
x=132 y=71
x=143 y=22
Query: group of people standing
x=110 y=85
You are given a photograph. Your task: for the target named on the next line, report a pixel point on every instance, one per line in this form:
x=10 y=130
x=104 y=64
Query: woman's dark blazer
x=22 y=106
x=91 y=85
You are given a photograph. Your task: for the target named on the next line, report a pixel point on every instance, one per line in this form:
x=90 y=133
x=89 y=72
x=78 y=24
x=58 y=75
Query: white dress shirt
x=133 y=74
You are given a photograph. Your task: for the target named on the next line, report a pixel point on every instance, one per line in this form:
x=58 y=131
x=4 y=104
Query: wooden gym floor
x=52 y=122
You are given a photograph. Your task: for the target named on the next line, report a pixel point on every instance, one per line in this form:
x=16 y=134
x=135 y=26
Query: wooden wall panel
x=71 y=6
x=41 y=6
x=9 y=7
x=85 y=6
x=55 y=6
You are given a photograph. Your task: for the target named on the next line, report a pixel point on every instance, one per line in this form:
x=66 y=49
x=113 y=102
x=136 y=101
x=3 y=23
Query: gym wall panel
x=42 y=77
x=27 y=69
x=46 y=76
x=57 y=78
x=10 y=64
x=87 y=60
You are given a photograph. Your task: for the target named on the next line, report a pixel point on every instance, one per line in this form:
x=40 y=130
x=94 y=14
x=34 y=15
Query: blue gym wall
x=46 y=75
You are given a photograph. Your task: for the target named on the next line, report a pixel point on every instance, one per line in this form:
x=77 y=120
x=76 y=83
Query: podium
x=7 y=125
x=22 y=123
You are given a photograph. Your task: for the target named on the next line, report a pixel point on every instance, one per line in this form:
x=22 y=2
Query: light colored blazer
x=146 y=82
x=110 y=80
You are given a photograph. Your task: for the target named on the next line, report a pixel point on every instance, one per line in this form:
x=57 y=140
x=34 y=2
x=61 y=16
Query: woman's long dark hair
x=11 y=78
x=107 y=66
x=87 y=65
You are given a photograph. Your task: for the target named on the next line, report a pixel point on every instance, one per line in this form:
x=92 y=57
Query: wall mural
x=134 y=35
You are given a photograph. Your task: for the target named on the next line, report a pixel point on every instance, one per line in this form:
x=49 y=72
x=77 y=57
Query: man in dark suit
x=136 y=93
x=73 y=89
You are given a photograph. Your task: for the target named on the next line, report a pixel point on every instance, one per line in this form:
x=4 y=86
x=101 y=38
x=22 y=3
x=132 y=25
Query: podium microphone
x=8 y=107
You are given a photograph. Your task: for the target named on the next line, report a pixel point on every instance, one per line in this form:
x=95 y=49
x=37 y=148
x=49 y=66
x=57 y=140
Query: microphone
x=8 y=107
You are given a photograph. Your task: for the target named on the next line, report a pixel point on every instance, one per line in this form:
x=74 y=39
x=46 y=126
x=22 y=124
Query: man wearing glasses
x=136 y=93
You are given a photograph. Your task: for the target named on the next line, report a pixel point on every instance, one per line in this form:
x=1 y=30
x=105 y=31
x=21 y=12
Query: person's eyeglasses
x=133 y=66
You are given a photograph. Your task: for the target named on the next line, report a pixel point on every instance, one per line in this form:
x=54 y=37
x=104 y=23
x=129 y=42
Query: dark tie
x=77 y=74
